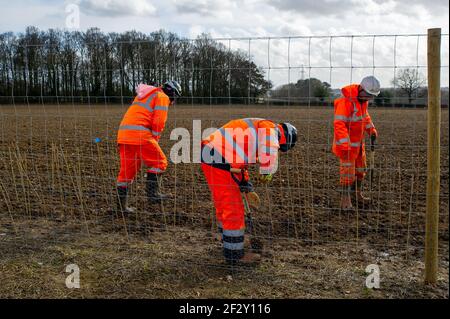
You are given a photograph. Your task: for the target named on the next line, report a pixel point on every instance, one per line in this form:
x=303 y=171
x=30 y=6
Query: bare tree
x=303 y=91
x=96 y=67
x=409 y=81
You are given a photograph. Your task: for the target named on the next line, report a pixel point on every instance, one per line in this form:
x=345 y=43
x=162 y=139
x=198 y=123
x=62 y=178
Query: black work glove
x=373 y=139
x=246 y=187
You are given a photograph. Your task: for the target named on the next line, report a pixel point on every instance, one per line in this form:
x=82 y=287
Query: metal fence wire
x=61 y=104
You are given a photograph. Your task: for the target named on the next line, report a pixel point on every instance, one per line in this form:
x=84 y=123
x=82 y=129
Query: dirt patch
x=183 y=263
x=57 y=186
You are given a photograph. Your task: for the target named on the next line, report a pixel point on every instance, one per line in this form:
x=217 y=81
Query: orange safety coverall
x=139 y=133
x=237 y=144
x=351 y=120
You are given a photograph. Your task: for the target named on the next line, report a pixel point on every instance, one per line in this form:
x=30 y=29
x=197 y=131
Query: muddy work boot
x=122 y=193
x=247 y=259
x=359 y=194
x=346 y=199
x=250 y=258
x=152 y=188
x=253 y=244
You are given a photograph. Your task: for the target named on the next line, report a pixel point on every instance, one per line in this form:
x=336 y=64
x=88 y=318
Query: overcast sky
x=269 y=18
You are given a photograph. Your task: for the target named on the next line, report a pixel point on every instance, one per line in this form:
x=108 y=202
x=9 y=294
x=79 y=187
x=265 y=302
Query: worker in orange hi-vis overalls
x=236 y=145
x=351 y=121
x=138 y=136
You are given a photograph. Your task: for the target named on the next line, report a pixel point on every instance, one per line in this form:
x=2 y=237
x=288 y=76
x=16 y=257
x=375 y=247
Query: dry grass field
x=57 y=207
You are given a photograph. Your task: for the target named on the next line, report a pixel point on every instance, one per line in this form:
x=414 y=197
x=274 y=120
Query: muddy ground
x=58 y=166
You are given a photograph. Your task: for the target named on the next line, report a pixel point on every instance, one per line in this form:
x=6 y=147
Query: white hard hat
x=371 y=85
x=172 y=88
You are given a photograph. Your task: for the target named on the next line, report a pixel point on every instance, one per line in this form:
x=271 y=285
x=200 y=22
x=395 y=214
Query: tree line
x=94 y=67
x=408 y=89
x=57 y=66
x=303 y=92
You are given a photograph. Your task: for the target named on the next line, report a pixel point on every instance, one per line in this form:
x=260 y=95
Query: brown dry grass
x=181 y=263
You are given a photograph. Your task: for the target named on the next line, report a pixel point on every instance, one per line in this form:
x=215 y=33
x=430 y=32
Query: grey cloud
x=432 y=6
x=427 y=3
x=116 y=8
x=334 y=7
x=322 y=8
x=203 y=8
x=190 y=7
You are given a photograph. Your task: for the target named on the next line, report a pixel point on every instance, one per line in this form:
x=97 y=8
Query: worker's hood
x=351 y=91
x=143 y=90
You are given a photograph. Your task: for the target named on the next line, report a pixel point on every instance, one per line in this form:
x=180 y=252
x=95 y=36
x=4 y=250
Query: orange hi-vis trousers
x=351 y=170
x=229 y=209
x=132 y=157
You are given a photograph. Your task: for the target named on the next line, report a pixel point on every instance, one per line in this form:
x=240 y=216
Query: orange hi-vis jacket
x=144 y=119
x=351 y=120
x=243 y=142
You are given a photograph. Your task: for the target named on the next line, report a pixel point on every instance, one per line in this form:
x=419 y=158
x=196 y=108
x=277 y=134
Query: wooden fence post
x=433 y=155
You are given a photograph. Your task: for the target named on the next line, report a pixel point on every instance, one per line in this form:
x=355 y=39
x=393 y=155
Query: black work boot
x=152 y=187
x=122 y=193
x=246 y=259
x=346 y=198
x=359 y=194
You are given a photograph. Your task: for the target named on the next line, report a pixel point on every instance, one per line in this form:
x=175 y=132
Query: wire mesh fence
x=62 y=103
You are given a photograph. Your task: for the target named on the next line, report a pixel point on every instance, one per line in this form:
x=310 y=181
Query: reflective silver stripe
x=236 y=147
x=263 y=170
x=146 y=105
x=361 y=169
x=355 y=144
x=369 y=125
x=154 y=170
x=161 y=108
x=347 y=164
x=156 y=133
x=122 y=184
x=342 y=141
x=342 y=117
x=151 y=97
x=272 y=139
x=233 y=246
x=348 y=119
x=348 y=175
x=233 y=233
x=252 y=128
x=133 y=127
x=356 y=118
x=277 y=133
x=270 y=149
